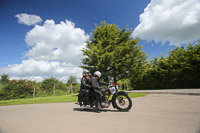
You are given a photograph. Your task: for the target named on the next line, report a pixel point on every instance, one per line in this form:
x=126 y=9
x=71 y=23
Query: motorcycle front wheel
x=122 y=101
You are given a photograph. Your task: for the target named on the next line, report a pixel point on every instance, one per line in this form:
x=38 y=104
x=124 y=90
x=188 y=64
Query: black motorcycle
x=119 y=100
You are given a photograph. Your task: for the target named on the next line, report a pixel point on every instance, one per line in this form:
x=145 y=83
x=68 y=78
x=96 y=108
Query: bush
x=1 y=91
x=60 y=92
x=1 y=88
x=76 y=88
x=47 y=86
x=17 y=89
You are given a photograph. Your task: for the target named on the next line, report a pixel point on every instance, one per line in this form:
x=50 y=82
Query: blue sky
x=155 y=22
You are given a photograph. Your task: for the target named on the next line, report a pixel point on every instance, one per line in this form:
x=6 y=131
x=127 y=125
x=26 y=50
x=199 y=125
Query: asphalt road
x=155 y=113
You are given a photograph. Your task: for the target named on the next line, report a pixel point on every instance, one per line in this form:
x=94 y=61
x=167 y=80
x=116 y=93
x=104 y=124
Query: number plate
x=112 y=90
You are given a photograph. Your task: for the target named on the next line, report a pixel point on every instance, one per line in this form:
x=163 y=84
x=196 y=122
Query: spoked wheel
x=122 y=101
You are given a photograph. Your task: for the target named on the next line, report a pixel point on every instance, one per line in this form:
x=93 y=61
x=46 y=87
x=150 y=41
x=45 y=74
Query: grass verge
x=134 y=95
x=53 y=99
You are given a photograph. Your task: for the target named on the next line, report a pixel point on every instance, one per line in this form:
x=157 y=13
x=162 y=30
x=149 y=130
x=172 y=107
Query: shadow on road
x=1 y=131
x=93 y=110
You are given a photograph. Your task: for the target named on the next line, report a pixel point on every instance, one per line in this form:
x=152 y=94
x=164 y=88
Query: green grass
x=134 y=95
x=52 y=99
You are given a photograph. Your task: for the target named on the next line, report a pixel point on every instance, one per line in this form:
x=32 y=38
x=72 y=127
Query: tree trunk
x=33 y=91
x=71 y=88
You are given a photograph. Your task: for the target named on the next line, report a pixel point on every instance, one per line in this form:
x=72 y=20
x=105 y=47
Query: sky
x=44 y=38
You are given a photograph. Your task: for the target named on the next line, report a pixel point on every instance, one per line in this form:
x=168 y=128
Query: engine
x=105 y=103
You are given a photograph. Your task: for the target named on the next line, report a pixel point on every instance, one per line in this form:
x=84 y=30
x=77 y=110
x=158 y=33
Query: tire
x=121 y=99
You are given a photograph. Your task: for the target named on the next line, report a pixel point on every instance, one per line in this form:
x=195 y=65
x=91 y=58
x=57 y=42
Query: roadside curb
x=175 y=93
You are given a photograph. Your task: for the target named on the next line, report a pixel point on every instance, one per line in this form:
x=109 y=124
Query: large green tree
x=113 y=52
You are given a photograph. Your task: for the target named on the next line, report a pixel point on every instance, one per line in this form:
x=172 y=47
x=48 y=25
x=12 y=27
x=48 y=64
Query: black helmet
x=85 y=71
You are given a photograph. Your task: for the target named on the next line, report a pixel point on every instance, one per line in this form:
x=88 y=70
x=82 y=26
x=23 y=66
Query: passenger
x=85 y=87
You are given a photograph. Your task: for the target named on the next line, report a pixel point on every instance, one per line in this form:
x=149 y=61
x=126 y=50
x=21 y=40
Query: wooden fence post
x=71 y=87
x=33 y=91
x=54 y=88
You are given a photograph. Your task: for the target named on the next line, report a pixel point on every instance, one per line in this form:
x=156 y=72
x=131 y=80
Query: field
x=52 y=99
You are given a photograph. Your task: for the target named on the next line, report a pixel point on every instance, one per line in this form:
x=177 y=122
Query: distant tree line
x=180 y=69
x=13 y=89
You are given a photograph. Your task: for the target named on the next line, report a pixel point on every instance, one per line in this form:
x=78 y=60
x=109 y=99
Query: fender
x=115 y=95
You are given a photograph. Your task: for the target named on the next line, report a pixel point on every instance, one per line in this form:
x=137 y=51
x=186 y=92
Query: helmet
x=97 y=73
x=85 y=71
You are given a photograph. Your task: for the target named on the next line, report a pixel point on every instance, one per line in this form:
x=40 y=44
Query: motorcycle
x=120 y=99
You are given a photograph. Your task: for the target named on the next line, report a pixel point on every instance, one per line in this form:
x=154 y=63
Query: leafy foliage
x=72 y=80
x=14 y=89
x=4 y=78
x=76 y=88
x=179 y=70
x=113 y=52
x=48 y=85
x=18 y=89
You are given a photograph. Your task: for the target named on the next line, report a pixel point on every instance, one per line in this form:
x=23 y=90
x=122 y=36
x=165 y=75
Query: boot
x=98 y=107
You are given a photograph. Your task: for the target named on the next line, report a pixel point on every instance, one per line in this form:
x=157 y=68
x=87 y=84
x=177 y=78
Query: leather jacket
x=85 y=83
x=95 y=84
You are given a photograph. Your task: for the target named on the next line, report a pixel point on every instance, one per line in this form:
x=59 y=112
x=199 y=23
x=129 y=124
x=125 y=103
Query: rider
x=85 y=84
x=95 y=84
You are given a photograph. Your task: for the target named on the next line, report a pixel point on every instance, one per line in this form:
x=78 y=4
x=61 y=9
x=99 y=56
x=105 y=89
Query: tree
x=4 y=78
x=49 y=84
x=184 y=64
x=179 y=70
x=72 y=80
x=113 y=52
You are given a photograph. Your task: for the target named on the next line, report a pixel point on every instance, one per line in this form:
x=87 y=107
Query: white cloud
x=55 y=51
x=32 y=78
x=28 y=19
x=39 y=69
x=61 y=42
x=176 y=21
